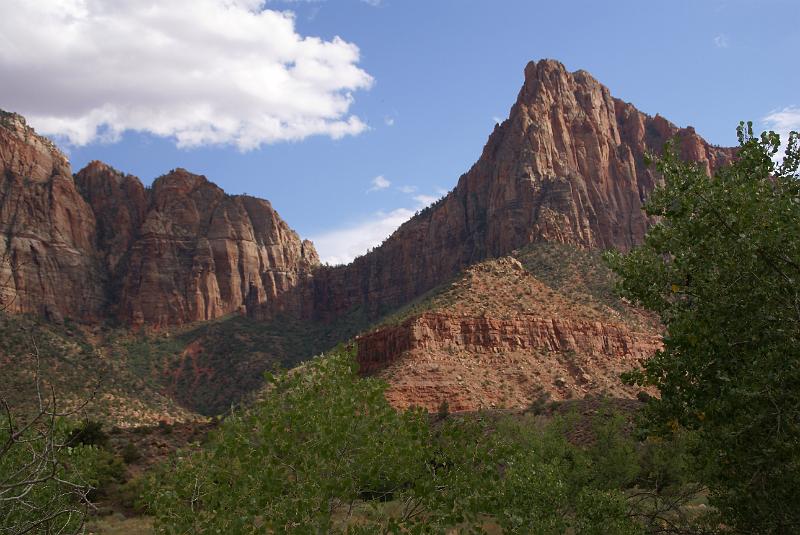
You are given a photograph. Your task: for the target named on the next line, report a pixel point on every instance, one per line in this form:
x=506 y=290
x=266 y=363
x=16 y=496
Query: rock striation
x=500 y=338
x=100 y=242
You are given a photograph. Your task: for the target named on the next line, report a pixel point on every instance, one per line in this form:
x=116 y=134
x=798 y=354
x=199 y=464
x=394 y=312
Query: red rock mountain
x=100 y=242
x=567 y=166
x=48 y=260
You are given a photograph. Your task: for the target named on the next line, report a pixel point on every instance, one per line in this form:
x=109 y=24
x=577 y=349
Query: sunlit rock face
x=48 y=261
x=101 y=243
x=567 y=166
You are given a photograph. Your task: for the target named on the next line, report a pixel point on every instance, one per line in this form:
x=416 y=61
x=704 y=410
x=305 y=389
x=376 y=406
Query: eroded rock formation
x=48 y=261
x=567 y=166
x=499 y=338
x=101 y=242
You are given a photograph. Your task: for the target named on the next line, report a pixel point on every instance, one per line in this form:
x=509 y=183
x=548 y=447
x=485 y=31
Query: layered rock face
x=101 y=242
x=435 y=331
x=48 y=261
x=567 y=166
x=500 y=338
x=185 y=251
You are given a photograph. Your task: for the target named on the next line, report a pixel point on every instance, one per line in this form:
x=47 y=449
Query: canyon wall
x=567 y=166
x=100 y=243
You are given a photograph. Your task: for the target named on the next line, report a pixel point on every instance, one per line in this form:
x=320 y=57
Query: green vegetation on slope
x=323 y=452
x=73 y=361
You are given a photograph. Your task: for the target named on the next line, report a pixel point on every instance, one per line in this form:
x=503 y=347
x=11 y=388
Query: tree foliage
x=47 y=477
x=722 y=268
x=324 y=452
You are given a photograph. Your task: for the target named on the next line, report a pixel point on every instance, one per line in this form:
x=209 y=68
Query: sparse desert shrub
x=539 y=405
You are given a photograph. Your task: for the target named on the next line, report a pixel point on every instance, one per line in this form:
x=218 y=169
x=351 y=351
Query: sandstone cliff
x=567 y=166
x=48 y=262
x=200 y=254
x=102 y=243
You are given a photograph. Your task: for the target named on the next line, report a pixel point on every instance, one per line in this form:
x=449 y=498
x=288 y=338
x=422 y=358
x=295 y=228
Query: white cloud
x=389 y=121
x=341 y=246
x=721 y=41
x=209 y=72
x=379 y=182
x=407 y=189
x=783 y=121
x=497 y=119
x=425 y=200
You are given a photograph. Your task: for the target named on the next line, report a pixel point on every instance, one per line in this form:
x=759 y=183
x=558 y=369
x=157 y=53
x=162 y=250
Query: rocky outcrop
x=482 y=362
x=433 y=332
x=567 y=166
x=48 y=261
x=201 y=254
x=119 y=202
x=499 y=337
x=102 y=243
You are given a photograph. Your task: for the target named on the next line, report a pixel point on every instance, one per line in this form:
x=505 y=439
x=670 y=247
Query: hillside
x=498 y=337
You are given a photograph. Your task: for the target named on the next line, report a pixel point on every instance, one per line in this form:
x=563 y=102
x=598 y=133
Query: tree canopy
x=722 y=269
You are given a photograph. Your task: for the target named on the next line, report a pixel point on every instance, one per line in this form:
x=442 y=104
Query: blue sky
x=413 y=104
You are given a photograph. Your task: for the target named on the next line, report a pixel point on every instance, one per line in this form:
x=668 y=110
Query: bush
x=88 y=433
x=323 y=451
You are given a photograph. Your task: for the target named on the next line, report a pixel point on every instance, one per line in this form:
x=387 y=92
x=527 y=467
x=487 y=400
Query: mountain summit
x=567 y=166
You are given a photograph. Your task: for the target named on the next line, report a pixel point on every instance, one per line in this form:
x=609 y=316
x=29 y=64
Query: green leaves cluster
x=722 y=268
x=324 y=452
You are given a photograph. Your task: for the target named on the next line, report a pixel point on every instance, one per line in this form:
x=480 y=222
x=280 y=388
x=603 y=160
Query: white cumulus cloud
x=721 y=41
x=201 y=72
x=378 y=183
x=783 y=121
x=340 y=246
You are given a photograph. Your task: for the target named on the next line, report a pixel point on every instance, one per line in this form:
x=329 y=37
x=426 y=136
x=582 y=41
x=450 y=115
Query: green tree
x=47 y=481
x=722 y=268
x=323 y=452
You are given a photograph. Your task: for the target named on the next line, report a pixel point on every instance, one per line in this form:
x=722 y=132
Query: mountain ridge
x=567 y=166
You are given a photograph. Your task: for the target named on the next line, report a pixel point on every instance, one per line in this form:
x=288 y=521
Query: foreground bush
x=46 y=484
x=324 y=452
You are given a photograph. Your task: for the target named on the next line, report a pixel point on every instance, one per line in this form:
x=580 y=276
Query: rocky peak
x=25 y=153
x=47 y=231
x=567 y=166
x=119 y=202
x=178 y=252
